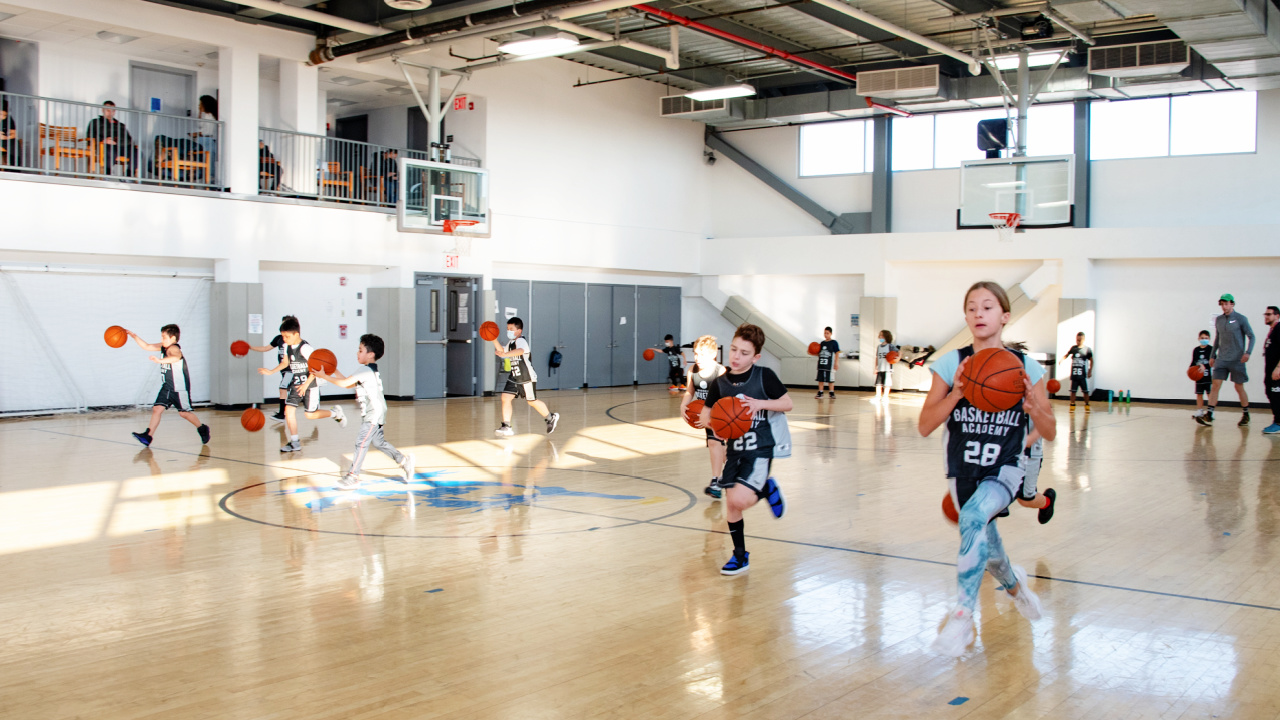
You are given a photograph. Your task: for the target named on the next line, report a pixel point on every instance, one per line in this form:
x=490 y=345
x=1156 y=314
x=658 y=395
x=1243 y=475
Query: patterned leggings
x=980 y=545
x=371 y=435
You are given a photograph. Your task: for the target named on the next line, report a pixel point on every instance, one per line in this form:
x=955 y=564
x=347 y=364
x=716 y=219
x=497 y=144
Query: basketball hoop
x=451 y=225
x=1005 y=224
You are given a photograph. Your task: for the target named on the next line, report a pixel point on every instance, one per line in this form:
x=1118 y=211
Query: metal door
x=161 y=90
x=624 y=334
x=429 y=355
x=460 y=331
x=599 y=340
x=543 y=332
x=573 y=341
x=649 y=334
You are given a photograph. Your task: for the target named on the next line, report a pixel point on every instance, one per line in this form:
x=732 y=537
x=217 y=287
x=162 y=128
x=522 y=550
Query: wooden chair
x=334 y=176
x=65 y=144
x=98 y=159
x=268 y=180
x=171 y=160
x=371 y=186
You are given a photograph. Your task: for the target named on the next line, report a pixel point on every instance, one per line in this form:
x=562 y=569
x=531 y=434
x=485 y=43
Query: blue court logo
x=436 y=490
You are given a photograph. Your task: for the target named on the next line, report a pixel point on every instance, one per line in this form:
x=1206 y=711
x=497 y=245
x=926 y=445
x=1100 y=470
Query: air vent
x=913 y=82
x=1167 y=57
x=679 y=106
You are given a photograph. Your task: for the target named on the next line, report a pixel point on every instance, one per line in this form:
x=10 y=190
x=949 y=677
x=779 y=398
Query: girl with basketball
x=704 y=371
x=985 y=464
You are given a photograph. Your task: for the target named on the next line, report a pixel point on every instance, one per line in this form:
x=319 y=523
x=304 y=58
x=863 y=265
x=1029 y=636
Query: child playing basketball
x=675 y=359
x=373 y=410
x=828 y=363
x=1201 y=355
x=984 y=463
x=702 y=374
x=884 y=369
x=286 y=375
x=175 y=383
x=303 y=392
x=521 y=382
x=1081 y=370
x=749 y=458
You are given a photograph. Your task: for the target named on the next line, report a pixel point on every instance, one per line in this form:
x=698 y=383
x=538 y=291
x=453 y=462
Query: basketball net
x=461 y=243
x=1005 y=224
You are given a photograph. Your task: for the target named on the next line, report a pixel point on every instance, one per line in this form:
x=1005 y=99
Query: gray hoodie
x=1228 y=342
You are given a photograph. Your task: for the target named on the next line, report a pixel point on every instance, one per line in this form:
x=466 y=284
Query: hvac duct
x=1241 y=38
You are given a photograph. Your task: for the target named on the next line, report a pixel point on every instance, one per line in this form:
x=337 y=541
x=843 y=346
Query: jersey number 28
x=976 y=453
x=746 y=442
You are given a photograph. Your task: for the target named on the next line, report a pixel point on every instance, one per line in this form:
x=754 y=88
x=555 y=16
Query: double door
x=444 y=355
x=611 y=335
x=657 y=315
x=558 y=322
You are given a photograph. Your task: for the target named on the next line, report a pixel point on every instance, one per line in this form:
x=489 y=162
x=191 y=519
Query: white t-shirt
x=368 y=387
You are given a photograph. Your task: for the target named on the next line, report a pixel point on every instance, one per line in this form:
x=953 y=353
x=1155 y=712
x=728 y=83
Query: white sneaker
x=292 y=446
x=957 y=635
x=1027 y=602
x=349 y=482
x=505 y=431
x=338 y=415
x=408 y=466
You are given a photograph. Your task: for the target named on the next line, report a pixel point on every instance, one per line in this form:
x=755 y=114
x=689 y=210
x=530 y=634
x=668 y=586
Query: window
x=1202 y=124
x=945 y=140
x=913 y=143
x=837 y=148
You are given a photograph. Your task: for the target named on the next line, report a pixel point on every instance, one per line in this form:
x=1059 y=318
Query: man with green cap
x=1230 y=353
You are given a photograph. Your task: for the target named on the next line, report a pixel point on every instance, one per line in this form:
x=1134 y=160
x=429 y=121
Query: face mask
x=511 y=335
x=1204 y=342
x=881 y=341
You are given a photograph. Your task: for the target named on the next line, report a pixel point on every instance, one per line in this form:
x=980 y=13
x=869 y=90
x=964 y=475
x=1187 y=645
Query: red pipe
x=739 y=40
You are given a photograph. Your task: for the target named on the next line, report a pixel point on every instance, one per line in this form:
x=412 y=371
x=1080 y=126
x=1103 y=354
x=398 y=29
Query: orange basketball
x=323 y=360
x=815 y=348
x=993 y=380
x=1053 y=386
x=252 y=420
x=949 y=509
x=239 y=348
x=115 y=336
x=489 y=331
x=892 y=356
x=649 y=354
x=1195 y=372
x=729 y=419
x=692 y=411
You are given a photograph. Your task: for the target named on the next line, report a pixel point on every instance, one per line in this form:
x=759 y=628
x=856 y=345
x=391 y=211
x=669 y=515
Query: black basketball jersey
x=769 y=434
x=827 y=354
x=673 y=356
x=1080 y=357
x=520 y=371
x=702 y=381
x=169 y=372
x=1201 y=356
x=297 y=355
x=980 y=443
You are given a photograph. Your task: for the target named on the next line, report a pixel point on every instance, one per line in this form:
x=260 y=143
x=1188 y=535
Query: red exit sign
x=451 y=262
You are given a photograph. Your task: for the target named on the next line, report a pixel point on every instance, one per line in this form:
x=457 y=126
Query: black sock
x=739 y=541
x=281 y=406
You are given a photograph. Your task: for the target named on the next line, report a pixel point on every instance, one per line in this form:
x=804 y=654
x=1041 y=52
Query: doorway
x=445 y=358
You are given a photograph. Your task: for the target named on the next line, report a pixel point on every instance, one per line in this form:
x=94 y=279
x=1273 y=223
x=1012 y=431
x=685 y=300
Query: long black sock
x=739 y=541
x=281 y=406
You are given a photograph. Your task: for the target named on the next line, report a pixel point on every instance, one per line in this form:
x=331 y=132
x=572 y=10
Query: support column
x=234 y=307
x=876 y=314
x=882 y=175
x=300 y=97
x=393 y=317
x=238 y=109
x=1082 y=184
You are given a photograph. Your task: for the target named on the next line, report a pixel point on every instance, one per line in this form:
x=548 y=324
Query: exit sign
x=451 y=262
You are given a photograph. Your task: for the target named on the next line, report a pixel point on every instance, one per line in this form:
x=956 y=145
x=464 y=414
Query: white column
x=299 y=97
x=238 y=108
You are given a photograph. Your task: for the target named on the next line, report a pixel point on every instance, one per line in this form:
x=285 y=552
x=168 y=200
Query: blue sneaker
x=713 y=489
x=143 y=437
x=1271 y=429
x=773 y=494
x=737 y=564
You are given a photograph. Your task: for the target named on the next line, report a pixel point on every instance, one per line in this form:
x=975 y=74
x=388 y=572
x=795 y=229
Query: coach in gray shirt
x=1230 y=353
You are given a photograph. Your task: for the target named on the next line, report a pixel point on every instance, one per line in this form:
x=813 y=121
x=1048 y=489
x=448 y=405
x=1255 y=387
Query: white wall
x=74 y=72
x=269 y=104
x=321 y=303
x=802 y=304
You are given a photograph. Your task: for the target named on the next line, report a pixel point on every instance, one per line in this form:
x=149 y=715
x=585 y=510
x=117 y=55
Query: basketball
x=489 y=331
x=239 y=348
x=115 y=336
x=949 y=509
x=1053 y=386
x=1195 y=372
x=692 y=411
x=252 y=420
x=729 y=419
x=323 y=360
x=649 y=354
x=891 y=357
x=815 y=348
x=993 y=380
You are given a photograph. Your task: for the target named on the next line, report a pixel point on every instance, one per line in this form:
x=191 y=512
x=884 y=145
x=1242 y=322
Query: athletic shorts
x=1205 y=386
x=675 y=376
x=169 y=398
x=750 y=469
x=882 y=378
x=1079 y=383
x=286 y=379
x=824 y=376
x=312 y=401
x=528 y=390
x=1233 y=371
x=712 y=437
x=1009 y=477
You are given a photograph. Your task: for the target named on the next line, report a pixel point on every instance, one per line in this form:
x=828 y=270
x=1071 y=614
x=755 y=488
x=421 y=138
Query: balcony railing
x=65 y=138
x=293 y=164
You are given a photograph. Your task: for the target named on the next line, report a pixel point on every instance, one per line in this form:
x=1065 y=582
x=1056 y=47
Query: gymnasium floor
x=576 y=575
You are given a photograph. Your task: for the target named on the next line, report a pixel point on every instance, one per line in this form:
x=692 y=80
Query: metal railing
x=293 y=164
x=65 y=138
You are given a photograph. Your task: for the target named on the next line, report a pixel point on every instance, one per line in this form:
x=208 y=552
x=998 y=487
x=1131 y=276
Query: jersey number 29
x=746 y=442
x=976 y=453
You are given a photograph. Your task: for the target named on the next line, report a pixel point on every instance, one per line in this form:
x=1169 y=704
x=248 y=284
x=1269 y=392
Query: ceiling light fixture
x=544 y=45
x=409 y=5
x=346 y=80
x=115 y=37
x=723 y=92
x=1036 y=59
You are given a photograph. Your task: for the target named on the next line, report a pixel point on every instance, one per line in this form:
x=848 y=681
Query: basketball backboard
x=1040 y=189
x=440 y=197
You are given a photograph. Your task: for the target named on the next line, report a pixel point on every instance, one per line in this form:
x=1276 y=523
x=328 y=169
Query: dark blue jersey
x=827 y=354
x=979 y=443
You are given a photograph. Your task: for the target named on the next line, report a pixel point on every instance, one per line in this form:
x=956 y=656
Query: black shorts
x=882 y=378
x=712 y=437
x=286 y=379
x=312 y=401
x=1079 y=383
x=824 y=376
x=170 y=398
x=675 y=376
x=749 y=468
x=528 y=390
x=1205 y=386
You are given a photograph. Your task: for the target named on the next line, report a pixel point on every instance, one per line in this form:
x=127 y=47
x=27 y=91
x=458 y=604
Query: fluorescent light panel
x=1040 y=59
x=115 y=37
x=545 y=45
x=721 y=93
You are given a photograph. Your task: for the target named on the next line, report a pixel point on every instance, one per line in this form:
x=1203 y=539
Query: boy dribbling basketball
x=984 y=463
x=1081 y=370
x=702 y=374
x=303 y=392
x=286 y=375
x=175 y=379
x=521 y=382
x=884 y=368
x=749 y=458
x=675 y=362
x=828 y=363
x=1202 y=355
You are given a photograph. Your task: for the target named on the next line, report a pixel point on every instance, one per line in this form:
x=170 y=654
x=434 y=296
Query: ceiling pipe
x=975 y=66
x=739 y=40
x=314 y=16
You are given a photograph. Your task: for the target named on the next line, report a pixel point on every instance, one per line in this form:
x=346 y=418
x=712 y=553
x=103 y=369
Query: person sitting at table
x=117 y=146
x=386 y=165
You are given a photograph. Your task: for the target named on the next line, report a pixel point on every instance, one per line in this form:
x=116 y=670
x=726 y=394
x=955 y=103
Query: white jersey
x=368 y=387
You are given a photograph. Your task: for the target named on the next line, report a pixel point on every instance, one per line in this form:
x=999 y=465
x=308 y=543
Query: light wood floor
x=576 y=575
